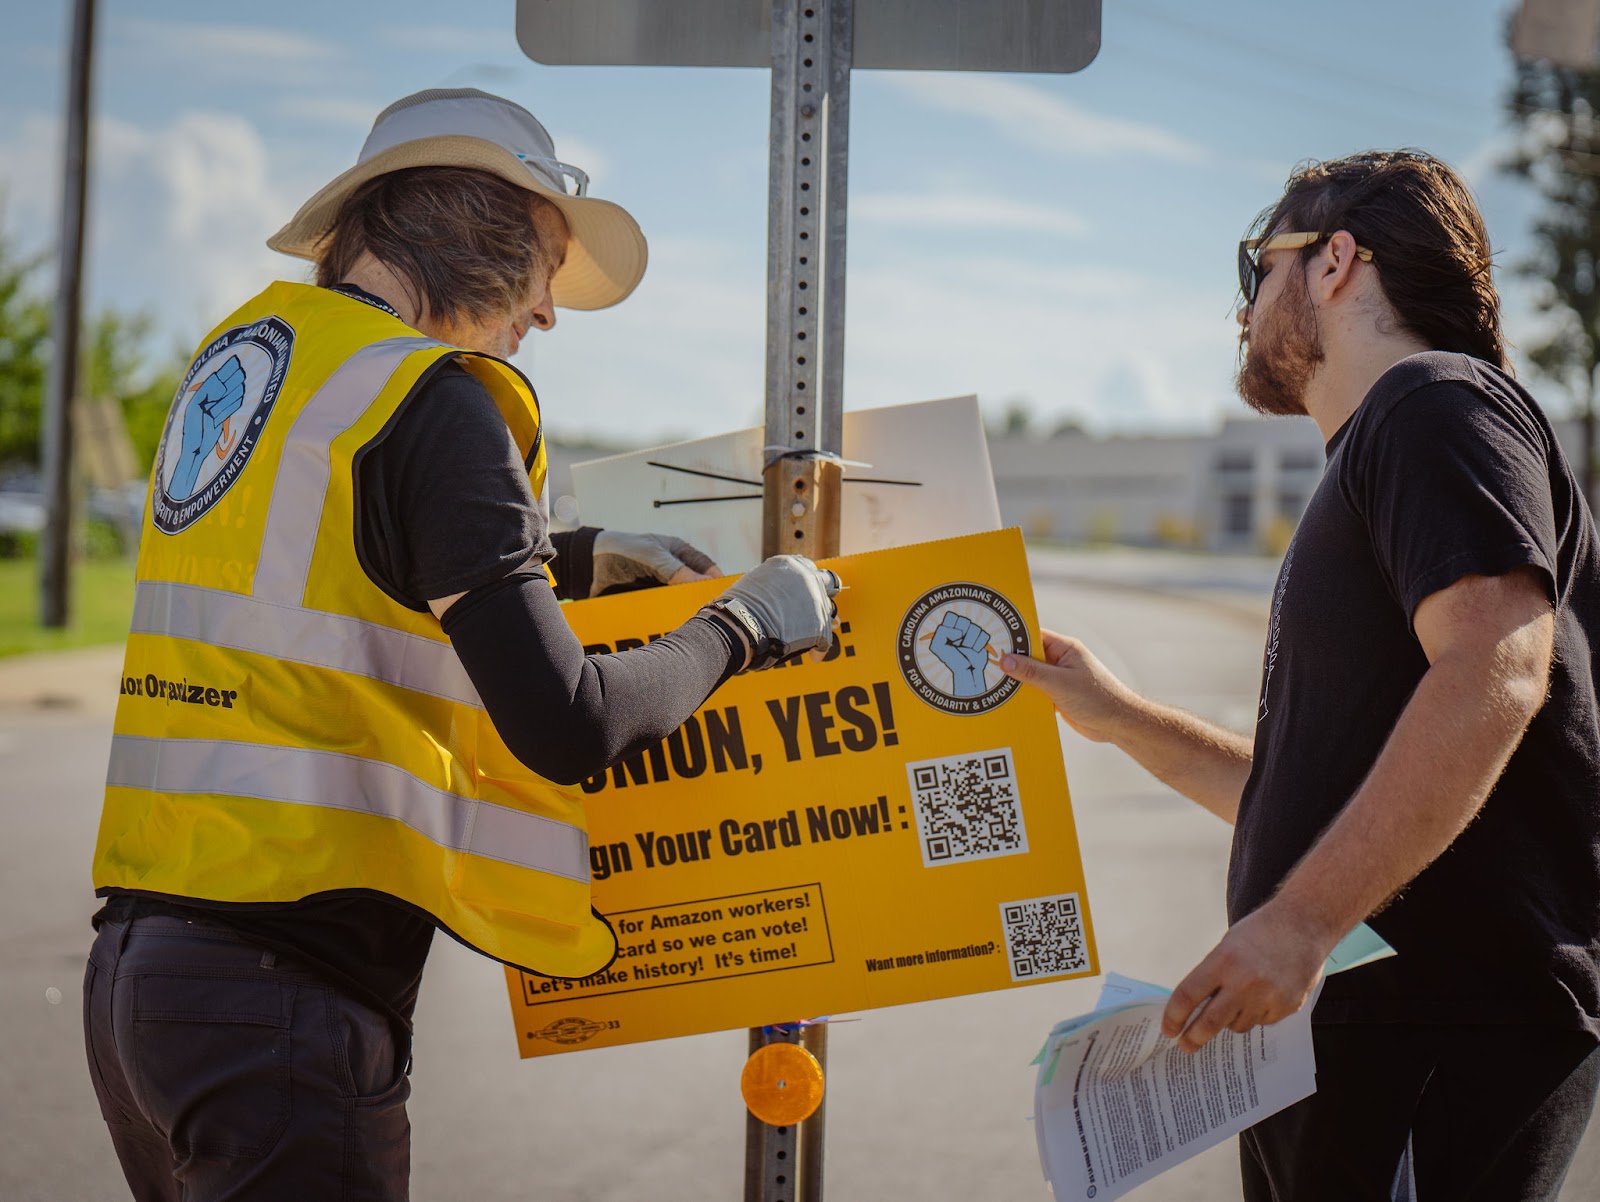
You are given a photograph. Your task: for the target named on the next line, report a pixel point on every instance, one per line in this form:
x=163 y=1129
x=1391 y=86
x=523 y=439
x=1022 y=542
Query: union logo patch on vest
x=216 y=419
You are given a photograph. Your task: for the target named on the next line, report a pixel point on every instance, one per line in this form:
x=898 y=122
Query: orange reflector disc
x=781 y=1084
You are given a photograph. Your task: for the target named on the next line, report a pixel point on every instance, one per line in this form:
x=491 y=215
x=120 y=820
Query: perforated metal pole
x=806 y=199
x=55 y=551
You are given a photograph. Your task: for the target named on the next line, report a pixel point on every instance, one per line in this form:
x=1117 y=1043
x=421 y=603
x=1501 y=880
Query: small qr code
x=1044 y=937
x=967 y=807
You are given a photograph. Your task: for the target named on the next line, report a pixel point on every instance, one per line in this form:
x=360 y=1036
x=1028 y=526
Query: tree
x=1015 y=420
x=1557 y=113
x=115 y=363
x=24 y=341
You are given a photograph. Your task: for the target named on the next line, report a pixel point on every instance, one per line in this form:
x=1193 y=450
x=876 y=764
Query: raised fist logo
x=960 y=627
x=963 y=647
x=205 y=423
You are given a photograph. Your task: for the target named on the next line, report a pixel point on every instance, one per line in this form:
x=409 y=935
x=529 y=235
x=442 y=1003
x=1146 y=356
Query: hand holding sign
x=1084 y=691
x=624 y=560
x=783 y=606
x=218 y=397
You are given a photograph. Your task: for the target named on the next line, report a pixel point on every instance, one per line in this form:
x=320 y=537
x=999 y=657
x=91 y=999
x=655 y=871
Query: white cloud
x=47 y=57
x=220 y=45
x=30 y=179
x=685 y=356
x=1121 y=349
x=970 y=211
x=224 y=54
x=215 y=199
x=178 y=215
x=1032 y=116
x=337 y=111
x=1485 y=164
x=445 y=40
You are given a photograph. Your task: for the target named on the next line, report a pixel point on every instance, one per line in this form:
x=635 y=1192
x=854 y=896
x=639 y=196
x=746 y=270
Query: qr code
x=1044 y=937
x=967 y=807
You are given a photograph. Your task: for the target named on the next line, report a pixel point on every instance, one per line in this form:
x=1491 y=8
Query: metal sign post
x=811 y=47
x=807 y=195
x=806 y=201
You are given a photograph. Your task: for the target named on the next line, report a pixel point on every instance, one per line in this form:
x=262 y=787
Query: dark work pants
x=226 y=1073
x=1492 y=1113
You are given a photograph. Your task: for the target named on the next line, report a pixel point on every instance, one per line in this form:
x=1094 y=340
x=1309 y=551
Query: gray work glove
x=621 y=558
x=784 y=606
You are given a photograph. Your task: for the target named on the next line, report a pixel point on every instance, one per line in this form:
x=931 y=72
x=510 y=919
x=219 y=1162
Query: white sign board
x=913 y=474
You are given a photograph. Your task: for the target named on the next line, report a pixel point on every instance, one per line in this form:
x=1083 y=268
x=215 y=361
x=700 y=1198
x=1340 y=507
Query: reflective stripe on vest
x=301 y=636
x=302 y=483
x=305 y=776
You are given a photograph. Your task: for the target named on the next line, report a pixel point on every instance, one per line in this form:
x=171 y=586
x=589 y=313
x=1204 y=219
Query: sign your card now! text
x=889 y=825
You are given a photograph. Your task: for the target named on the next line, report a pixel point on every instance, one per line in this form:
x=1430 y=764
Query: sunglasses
x=1251 y=250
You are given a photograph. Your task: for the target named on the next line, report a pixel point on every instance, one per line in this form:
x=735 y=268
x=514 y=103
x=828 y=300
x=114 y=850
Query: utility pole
x=55 y=555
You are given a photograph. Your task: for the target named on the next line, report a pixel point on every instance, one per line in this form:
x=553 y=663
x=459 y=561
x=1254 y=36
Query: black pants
x=1492 y=1114
x=224 y=1072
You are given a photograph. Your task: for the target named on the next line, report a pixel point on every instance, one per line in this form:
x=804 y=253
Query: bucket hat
x=463 y=127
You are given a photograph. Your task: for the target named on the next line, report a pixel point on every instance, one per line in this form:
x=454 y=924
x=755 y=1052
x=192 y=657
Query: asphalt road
x=928 y=1101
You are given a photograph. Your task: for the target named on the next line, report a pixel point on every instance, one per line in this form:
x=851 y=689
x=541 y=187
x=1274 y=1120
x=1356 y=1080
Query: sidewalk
x=1240 y=585
x=83 y=680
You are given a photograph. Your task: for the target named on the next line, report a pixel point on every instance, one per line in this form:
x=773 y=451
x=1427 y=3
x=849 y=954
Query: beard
x=1280 y=356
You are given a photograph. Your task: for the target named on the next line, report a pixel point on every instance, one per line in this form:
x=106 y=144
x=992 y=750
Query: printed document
x=1116 y=1104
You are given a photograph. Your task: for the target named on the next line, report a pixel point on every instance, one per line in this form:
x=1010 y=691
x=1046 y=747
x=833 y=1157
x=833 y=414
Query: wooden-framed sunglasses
x=1251 y=250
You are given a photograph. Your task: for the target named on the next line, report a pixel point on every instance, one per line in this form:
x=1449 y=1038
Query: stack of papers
x=1116 y=1104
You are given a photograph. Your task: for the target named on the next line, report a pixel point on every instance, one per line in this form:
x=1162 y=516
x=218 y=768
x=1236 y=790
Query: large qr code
x=967 y=807
x=1044 y=937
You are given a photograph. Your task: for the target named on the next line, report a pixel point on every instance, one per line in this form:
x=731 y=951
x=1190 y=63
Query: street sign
x=901 y=35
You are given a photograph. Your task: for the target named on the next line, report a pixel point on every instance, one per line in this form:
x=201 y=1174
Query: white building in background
x=1242 y=488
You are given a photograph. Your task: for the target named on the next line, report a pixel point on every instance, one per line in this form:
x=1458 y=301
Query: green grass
x=101 y=603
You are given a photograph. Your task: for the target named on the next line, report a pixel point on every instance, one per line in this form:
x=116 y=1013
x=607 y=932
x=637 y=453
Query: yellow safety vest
x=285 y=727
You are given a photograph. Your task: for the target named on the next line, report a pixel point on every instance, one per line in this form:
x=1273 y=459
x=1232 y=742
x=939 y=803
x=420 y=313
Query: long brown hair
x=1427 y=238
x=464 y=241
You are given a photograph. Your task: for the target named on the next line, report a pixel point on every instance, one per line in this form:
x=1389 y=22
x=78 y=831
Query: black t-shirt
x=443 y=501
x=1447 y=469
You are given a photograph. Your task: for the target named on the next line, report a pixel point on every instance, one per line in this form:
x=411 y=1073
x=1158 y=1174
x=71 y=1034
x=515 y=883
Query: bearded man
x=1427 y=752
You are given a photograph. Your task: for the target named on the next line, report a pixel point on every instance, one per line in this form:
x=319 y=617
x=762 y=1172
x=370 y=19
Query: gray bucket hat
x=463 y=127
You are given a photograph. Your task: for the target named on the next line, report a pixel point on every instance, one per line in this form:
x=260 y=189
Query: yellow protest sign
x=889 y=825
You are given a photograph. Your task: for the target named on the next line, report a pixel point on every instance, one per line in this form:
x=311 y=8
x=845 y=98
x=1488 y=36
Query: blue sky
x=1064 y=239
